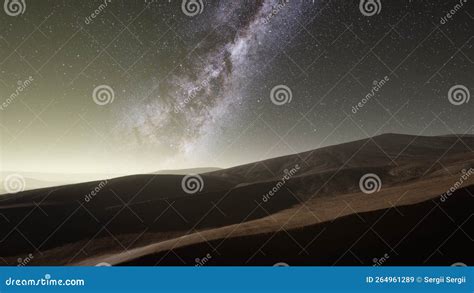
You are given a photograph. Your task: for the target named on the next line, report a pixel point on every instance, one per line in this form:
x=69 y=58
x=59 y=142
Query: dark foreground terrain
x=318 y=214
x=430 y=232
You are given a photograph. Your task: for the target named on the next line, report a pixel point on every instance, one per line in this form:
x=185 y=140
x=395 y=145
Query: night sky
x=149 y=85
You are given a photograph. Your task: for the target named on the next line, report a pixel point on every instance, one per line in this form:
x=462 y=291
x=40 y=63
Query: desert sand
x=319 y=215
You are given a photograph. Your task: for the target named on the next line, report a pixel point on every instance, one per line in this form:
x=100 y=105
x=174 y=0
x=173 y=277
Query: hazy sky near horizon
x=138 y=86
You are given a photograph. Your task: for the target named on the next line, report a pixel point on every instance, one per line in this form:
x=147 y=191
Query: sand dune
x=150 y=219
x=188 y=171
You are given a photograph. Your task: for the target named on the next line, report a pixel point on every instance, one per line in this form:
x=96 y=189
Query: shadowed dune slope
x=124 y=219
x=427 y=233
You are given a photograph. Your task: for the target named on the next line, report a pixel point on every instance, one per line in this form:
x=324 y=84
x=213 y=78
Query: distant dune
x=31 y=183
x=36 y=180
x=302 y=209
x=188 y=171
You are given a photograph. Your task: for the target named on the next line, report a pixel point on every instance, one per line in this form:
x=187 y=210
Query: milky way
x=195 y=89
x=197 y=105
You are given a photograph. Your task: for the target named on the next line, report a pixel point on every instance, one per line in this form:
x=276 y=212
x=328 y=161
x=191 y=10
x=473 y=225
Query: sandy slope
x=133 y=217
x=316 y=211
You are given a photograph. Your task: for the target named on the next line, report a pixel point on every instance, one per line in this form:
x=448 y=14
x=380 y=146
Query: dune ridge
x=142 y=219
